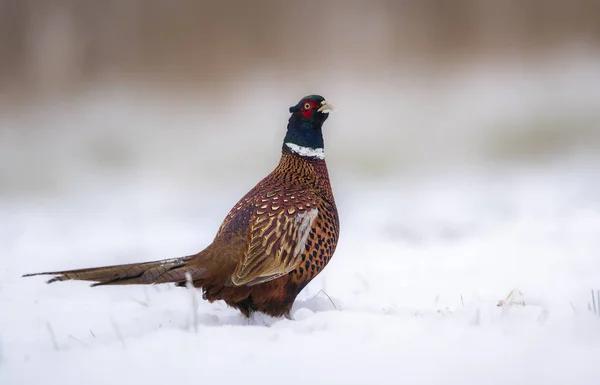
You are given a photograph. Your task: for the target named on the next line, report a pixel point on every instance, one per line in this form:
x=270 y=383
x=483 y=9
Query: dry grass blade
x=117 y=332
x=78 y=340
x=190 y=286
x=327 y=295
x=52 y=336
x=144 y=304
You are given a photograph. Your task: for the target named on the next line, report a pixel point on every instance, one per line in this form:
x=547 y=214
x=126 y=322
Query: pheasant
x=272 y=243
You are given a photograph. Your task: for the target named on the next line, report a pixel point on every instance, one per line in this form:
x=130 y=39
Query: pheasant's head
x=312 y=109
x=304 y=136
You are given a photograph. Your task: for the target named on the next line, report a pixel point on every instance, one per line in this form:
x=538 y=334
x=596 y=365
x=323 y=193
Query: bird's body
x=271 y=244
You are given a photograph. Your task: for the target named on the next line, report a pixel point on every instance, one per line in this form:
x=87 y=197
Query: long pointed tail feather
x=145 y=273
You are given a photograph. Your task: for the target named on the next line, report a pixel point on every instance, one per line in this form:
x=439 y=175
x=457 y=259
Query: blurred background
x=189 y=90
x=168 y=104
x=192 y=93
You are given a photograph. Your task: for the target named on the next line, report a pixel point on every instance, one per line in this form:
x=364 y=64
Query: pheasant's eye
x=307 y=106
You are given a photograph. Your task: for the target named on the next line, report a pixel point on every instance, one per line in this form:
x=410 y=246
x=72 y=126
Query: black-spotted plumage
x=272 y=243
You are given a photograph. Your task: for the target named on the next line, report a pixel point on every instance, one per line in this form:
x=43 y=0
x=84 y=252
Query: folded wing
x=277 y=237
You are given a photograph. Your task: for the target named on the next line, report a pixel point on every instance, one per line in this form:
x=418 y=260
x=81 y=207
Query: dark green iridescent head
x=305 y=125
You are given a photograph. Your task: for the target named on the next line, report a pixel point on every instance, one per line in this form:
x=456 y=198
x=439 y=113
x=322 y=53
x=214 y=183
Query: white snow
x=414 y=289
x=410 y=297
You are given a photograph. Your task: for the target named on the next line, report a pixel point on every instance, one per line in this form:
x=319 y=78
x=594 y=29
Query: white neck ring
x=308 y=152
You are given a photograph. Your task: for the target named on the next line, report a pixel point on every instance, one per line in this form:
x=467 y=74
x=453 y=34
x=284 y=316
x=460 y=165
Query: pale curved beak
x=326 y=107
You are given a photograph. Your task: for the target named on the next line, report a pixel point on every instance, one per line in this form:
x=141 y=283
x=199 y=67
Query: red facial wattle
x=308 y=108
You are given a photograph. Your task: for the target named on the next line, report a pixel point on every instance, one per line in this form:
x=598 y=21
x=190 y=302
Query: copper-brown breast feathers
x=277 y=234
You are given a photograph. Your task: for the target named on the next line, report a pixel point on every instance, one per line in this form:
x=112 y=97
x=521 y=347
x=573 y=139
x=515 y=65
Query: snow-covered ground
x=411 y=296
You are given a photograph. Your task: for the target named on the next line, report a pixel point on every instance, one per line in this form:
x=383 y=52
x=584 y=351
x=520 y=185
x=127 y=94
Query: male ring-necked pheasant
x=271 y=244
